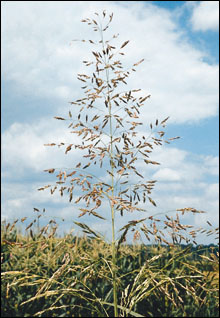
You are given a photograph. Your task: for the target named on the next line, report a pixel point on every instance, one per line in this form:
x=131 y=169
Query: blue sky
x=180 y=43
x=200 y=38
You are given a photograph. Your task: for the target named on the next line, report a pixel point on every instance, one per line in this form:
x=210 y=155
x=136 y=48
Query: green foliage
x=71 y=276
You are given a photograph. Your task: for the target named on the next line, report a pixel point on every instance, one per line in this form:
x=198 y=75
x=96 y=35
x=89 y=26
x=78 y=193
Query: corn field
x=47 y=276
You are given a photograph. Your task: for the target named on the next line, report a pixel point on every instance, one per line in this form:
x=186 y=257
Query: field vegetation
x=48 y=276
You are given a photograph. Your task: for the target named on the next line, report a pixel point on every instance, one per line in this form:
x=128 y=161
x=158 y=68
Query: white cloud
x=181 y=165
x=212 y=191
x=23 y=147
x=39 y=59
x=167 y=174
x=205 y=16
x=182 y=177
x=212 y=165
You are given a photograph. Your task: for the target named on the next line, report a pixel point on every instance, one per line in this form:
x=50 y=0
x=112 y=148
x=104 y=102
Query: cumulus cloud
x=180 y=165
x=182 y=178
x=167 y=174
x=205 y=16
x=39 y=59
x=212 y=165
x=23 y=147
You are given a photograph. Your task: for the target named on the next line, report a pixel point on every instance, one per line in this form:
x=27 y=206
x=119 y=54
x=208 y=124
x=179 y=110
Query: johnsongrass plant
x=106 y=120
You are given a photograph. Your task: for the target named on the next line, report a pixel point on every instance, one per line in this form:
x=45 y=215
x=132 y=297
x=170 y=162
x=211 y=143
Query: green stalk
x=115 y=298
x=113 y=223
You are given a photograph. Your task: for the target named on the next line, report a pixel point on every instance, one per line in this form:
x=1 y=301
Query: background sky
x=179 y=42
